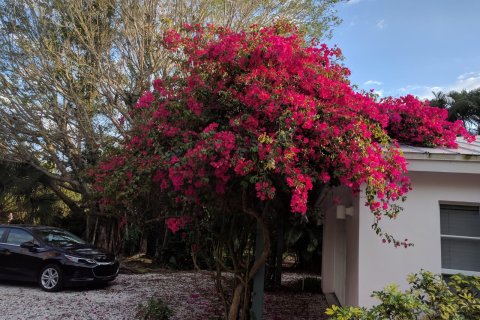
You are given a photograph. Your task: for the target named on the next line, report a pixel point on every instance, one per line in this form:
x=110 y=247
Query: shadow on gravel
x=21 y=284
x=73 y=288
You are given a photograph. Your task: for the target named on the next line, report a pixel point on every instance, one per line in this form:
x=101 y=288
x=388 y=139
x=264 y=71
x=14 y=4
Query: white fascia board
x=448 y=166
x=442 y=156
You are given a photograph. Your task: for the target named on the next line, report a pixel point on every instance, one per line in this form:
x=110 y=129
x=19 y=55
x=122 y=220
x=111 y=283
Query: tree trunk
x=111 y=241
x=87 y=227
x=277 y=280
x=236 y=300
x=160 y=256
x=102 y=236
x=259 y=279
x=94 y=230
x=260 y=260
x=144 y=243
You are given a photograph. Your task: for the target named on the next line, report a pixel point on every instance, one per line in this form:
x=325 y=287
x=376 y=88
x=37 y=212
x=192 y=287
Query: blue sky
x=411 y=46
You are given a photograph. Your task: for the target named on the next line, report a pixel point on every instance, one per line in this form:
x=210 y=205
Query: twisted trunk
x=242 y=286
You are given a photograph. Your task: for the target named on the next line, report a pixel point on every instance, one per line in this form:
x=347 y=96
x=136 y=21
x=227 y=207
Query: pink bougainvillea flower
x=264 y=110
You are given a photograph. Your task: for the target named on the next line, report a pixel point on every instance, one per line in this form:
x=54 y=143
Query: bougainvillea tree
x=255 y=115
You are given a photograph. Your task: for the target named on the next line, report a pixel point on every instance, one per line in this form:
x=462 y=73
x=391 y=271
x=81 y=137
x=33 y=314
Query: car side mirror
x=29 y=245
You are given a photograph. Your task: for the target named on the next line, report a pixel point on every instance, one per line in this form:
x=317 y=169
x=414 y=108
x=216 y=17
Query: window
x=58 y=237
x=18 y=236
x=460 y=238
x=2 y=231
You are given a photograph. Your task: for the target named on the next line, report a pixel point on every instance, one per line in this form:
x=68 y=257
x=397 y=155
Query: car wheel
x=51 y=278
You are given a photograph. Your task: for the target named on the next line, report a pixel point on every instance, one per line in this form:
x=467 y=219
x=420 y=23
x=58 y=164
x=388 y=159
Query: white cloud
x=468 y=75
x=374 y=82
x=423 y=92
x=379 y=92
x=381 y=24
x=353 y=1
x=467 y=81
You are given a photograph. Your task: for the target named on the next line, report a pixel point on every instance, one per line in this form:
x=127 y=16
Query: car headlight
x=80 y=260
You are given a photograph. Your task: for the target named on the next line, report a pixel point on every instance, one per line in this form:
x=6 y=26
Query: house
x=441 y=217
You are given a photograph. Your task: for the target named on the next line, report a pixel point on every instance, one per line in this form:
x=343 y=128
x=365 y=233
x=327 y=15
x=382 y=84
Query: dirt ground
x=191 y=295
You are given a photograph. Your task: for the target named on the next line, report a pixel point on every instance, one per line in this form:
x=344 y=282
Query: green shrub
x=154 y=309
x=429 y=297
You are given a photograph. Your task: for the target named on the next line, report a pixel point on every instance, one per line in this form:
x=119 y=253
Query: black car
x=52 y=257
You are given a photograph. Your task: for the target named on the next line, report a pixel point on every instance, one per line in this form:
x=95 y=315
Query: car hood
x=89 y=252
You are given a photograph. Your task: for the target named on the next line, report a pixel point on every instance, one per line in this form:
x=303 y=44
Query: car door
x=3 y=252
x=20 y=263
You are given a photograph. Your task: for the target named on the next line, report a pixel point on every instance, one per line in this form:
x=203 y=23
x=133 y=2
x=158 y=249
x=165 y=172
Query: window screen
x=460 y=233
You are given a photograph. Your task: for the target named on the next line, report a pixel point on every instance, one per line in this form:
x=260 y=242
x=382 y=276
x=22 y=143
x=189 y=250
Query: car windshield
x=59 y=238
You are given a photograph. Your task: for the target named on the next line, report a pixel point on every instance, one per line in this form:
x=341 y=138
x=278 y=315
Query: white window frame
x=449 y=236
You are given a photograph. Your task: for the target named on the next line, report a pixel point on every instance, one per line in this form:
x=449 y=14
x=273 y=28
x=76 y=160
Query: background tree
x=463 y=105
x=71 y=70
x=25 y=197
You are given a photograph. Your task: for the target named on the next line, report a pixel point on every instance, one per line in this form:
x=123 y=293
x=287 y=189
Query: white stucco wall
x=450 y=176
x=380 y=264
x=340 y=256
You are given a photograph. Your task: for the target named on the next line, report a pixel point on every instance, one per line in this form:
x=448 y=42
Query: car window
x=60 y=238
x=18 y=236
x=2 y=231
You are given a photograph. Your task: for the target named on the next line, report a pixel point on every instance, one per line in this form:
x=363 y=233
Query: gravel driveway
x=191 y=295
